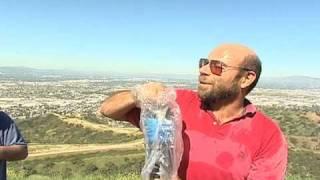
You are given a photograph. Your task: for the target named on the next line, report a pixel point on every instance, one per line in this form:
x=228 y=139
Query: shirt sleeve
x=271 y=162
x=183 y=97
x=10 y=132
x=134 y=117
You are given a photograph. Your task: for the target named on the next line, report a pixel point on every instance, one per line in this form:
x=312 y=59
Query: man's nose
x=205 y=70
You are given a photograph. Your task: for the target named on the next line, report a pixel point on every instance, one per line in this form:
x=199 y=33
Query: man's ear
x=248 y=79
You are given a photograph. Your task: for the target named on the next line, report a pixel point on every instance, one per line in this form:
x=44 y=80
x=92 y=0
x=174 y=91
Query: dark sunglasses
x=217 y=67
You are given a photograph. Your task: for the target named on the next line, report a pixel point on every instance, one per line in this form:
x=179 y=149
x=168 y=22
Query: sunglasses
x=217 y=67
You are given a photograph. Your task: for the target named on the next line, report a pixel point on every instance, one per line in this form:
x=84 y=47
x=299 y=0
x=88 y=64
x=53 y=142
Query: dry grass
x=313 y=117
x=40 y=150
x=98 y=127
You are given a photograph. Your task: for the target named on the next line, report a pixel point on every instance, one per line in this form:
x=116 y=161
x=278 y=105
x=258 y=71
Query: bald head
x=238 y=55
x=231 y=52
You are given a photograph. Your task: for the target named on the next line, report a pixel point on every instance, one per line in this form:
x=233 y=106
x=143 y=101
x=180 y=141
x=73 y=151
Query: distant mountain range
x=32 y=74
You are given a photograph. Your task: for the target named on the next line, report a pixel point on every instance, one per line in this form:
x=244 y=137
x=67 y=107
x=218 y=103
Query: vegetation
x=293 y=121
x=305 y=164
x=50 y=129
x=126 y=163
x=91 y=117
x=303 y=135
x=129 y=176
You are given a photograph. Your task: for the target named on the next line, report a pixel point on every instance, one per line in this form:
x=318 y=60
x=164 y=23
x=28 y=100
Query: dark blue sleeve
x=10 y=134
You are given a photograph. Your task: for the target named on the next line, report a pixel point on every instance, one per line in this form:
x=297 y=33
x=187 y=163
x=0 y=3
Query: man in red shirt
x=224 y=135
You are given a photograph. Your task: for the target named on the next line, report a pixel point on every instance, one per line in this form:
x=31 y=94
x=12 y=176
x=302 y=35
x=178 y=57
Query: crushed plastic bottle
x=161 y=124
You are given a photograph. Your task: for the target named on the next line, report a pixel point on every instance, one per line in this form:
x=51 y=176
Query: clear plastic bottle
x=161 y=124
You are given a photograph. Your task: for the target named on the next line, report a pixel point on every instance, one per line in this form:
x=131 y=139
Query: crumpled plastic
x=161 y=124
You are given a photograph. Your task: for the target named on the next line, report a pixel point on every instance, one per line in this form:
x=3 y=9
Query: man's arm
x=13 y=147
x=118 y=105
x=271 y=163
x=13 y=152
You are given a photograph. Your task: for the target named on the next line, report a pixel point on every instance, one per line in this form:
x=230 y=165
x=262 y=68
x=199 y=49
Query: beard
x=217 y=92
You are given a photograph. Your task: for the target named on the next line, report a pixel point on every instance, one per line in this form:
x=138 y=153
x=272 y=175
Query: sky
x=163 y=37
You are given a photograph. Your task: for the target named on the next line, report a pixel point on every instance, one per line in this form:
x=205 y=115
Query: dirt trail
x=98 y=127
x=41 y=150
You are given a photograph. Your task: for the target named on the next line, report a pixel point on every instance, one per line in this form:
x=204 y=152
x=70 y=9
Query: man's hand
x=118 y=105
x=175 y=178
x=149 y=91
x=155 y=174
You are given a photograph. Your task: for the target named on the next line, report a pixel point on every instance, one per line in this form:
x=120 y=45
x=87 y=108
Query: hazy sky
x=164 y=36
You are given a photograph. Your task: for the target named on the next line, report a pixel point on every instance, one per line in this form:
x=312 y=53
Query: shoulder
x=6 y=123
x=270 y=152
x=5 y=120
x=263 y=121
x=3 y=115
x=186 y=95
x=269 y=130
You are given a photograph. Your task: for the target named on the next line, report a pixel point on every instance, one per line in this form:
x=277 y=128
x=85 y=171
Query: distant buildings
x=24 y=100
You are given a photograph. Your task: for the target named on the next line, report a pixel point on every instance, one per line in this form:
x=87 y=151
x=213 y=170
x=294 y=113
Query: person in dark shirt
x=12 y=144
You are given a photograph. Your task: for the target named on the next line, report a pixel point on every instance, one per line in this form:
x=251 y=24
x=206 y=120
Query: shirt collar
x=250 y=109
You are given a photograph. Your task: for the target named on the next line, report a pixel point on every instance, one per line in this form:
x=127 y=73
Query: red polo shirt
x=248 y=147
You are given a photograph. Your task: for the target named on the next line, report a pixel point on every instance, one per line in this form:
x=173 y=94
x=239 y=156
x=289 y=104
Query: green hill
x=50 y=129
x=303 y=135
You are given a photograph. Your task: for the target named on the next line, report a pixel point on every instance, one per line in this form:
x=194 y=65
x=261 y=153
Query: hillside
x=101 y=160
x=52 y=129
x=303 y=135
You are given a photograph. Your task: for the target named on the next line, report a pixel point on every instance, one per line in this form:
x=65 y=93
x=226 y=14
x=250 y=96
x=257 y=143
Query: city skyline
x=157 y=37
